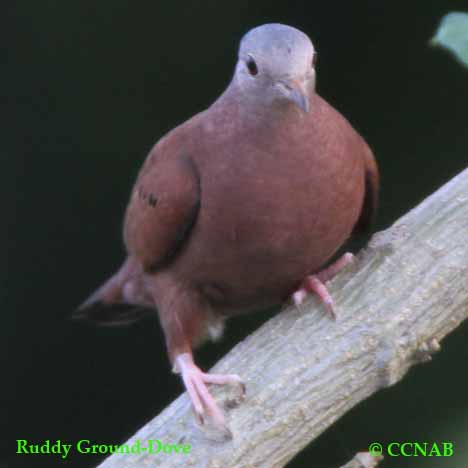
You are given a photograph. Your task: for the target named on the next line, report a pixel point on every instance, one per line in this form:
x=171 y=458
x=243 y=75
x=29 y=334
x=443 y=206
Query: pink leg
x=195 y=381
x=315 y=283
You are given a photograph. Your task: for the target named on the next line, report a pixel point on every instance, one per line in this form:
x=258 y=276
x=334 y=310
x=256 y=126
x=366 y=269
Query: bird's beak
x=296 y=92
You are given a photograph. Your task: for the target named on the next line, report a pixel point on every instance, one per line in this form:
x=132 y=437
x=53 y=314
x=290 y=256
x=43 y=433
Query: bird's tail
x=115 y=302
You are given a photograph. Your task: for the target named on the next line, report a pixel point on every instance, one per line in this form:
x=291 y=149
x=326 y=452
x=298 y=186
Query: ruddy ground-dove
x=238 y=208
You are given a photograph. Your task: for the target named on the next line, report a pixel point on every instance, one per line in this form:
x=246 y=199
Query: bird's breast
x=273 y=211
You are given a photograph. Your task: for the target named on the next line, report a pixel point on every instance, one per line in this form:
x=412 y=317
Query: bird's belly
x=255 y=243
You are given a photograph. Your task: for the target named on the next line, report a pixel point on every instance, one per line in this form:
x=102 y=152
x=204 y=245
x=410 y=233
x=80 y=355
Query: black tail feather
x=110 y=306
x=112 y=315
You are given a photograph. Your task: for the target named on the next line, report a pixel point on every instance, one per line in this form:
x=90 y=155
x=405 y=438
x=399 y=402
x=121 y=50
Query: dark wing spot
x=141 y=193
x=149 y=198
x=183 y=233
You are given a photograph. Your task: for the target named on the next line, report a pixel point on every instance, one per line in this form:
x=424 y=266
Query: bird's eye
x=314 y=59
x=252 y=66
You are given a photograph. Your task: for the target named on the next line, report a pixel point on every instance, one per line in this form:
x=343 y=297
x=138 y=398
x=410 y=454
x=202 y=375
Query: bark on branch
x=364 y=460
x=407 y=290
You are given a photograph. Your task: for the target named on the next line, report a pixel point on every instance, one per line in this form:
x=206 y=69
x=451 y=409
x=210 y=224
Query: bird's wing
x=371 y=195
x=163 y=207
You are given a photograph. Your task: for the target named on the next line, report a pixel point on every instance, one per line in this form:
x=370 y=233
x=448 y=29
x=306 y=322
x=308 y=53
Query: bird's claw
x=203 y=403
x=316 y=284
x=312 y=284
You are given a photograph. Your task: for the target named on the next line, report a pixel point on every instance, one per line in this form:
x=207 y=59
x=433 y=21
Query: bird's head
x=276 y=66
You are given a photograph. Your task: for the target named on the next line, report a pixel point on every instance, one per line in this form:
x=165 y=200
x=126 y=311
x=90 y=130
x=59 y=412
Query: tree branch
x=364 y=460
x=407 y=290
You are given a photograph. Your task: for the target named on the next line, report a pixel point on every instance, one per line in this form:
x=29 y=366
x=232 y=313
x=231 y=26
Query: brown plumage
x=235 y=207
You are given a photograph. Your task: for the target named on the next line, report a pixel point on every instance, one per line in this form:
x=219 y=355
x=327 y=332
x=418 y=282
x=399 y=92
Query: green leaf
x=452 y=34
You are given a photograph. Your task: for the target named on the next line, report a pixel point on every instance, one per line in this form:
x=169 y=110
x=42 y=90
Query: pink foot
x=316 y=283
x=195 y=382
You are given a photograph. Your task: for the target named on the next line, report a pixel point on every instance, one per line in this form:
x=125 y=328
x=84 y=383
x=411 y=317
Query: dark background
x=87 y=88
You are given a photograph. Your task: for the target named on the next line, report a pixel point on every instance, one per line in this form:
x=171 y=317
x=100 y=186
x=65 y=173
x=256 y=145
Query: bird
x=242 y=207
